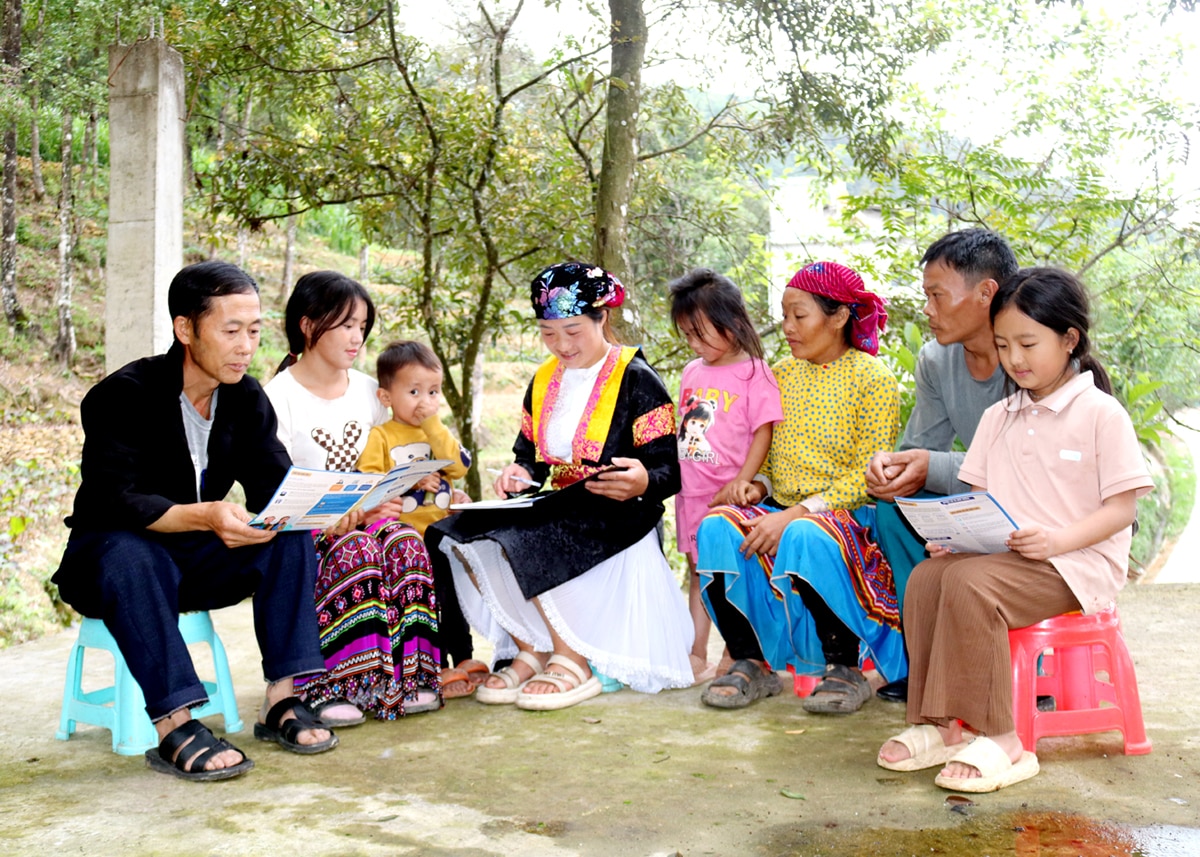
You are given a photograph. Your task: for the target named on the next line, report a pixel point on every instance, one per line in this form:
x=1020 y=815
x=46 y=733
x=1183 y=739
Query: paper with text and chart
x=517 y=501
x=524 y=501
x=318 y=499
x=964 y=523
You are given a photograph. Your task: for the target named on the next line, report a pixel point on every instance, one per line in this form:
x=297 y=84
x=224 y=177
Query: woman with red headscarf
x=796 y=580
x=579 y=578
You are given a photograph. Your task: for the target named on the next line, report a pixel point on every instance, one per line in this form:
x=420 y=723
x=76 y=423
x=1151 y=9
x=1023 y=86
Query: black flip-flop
x=187 y=763
x=285 y=732
x=750 y=681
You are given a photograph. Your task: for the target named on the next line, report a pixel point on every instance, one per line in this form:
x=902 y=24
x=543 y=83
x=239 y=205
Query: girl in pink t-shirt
x=728 y=402
x=1060 y=454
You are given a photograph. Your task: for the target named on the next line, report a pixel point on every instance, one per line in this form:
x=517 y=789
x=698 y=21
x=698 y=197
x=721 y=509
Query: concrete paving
x=626 y=774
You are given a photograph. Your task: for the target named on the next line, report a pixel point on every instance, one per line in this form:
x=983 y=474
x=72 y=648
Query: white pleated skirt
x=626 y=615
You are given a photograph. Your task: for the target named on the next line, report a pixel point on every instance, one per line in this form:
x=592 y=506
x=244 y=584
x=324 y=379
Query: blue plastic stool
x=121 y=708
x=607 y=685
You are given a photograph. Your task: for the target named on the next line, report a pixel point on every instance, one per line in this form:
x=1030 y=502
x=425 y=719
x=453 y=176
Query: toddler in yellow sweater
x=410 y=383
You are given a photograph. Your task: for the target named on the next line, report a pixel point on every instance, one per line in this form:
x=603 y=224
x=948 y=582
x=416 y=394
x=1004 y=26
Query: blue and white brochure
x=963 y=523
x=318 y=499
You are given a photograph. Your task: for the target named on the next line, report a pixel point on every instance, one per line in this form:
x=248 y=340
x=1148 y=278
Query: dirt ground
x=625 y=773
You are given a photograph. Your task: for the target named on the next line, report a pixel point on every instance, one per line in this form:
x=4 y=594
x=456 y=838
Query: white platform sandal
x=574 y=686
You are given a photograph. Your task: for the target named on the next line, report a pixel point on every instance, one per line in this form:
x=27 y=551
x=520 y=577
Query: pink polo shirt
x=1052 y=463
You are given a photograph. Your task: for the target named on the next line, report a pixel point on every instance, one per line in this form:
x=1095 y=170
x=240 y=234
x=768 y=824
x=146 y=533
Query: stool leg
x=233 y=722
x=1125 y=683
x=1024 y=665
x=72 y=688
x=1078 y=677
x=133 y=733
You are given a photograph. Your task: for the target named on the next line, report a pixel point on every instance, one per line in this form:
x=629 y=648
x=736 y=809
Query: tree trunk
x=63 y=349
x=364 y=262
x=243 y=246
x=219 y=145
x=610 y=247
x=35 y=145
x=35 y=134
x=243 y=234
x=289 y=258
x=11 y=47
x=91 y=151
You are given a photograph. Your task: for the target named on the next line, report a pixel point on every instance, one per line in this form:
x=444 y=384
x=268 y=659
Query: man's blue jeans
x=139 y=582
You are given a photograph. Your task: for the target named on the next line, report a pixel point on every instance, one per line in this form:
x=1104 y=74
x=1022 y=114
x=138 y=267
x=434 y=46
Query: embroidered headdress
x=567 y=289
x=867 y=315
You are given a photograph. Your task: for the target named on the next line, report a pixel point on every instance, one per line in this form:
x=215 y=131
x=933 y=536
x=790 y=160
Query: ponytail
x=1089 y=363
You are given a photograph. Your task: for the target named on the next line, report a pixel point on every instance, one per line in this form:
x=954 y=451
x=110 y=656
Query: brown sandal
x=452 y=676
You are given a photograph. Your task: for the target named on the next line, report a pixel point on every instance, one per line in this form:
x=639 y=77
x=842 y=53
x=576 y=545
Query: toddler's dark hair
x=704 y=291
x=1058 y=300
x=404 y=353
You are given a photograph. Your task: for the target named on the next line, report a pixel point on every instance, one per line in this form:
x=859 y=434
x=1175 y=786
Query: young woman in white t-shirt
x=375 y=603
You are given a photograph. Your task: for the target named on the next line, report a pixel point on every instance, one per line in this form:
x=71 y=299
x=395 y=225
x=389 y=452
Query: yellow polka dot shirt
x=835 y=417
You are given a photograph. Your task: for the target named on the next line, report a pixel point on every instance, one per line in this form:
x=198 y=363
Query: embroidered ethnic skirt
x=834 y=553
x=377 y=619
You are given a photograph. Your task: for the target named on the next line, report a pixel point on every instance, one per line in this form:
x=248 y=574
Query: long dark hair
x=326 y=298
x=704 y=291
x=1058 y=300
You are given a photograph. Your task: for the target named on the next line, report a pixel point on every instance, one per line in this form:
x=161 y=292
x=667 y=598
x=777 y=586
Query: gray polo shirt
x=949 y=404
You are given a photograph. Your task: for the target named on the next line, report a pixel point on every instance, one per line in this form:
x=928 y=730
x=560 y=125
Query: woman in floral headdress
x=795 y=580
x=578 y=579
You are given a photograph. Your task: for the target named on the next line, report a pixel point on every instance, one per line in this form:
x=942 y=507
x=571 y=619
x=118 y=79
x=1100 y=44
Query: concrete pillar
x=145 y=197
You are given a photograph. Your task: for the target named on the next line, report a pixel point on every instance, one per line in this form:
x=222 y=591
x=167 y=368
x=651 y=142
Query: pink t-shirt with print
x=720 y=408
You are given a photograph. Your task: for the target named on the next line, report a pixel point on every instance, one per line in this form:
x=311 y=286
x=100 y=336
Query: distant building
x=805 y=227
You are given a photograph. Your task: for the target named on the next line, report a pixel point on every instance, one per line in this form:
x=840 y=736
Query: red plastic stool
x=1084 y=702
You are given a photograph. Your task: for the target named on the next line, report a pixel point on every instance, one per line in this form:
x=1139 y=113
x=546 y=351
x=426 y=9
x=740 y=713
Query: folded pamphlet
x=318 y=499
x=964 y=523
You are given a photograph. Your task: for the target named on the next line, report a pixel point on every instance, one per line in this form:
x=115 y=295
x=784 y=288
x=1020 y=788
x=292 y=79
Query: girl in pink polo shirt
x=728 y=403
x=1061 y=456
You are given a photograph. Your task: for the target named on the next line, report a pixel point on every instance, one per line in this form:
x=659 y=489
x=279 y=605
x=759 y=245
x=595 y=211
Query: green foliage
x=1145 y=411
x=337 y=225
x=1068 y=205
x=31 y=491
x=900 y=353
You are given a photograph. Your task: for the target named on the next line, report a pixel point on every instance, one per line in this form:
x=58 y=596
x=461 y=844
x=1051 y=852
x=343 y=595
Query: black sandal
x=285 y=732
x=187 y=763
x=844 y=690
x=749 y=680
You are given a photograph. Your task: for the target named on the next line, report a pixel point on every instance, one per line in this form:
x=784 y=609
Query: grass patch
x=1181 y=474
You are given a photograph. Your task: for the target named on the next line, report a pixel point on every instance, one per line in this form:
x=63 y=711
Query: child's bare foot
x=702 y=670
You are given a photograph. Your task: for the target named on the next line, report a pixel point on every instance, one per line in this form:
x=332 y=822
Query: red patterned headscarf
x=868 y=318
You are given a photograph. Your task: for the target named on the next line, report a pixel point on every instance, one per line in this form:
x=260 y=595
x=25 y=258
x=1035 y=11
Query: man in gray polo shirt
x=958 y=376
